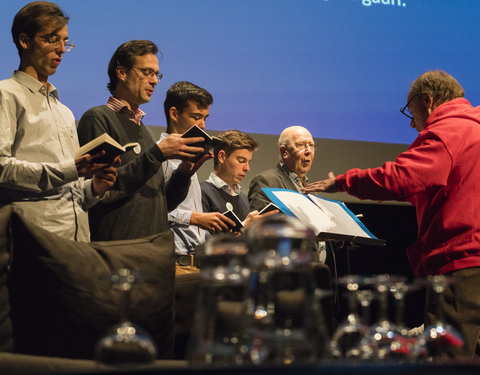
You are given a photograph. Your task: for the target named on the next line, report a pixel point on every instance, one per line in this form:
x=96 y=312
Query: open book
x=233 y=216
x=239 y=224
x=106 y=143
x=269 y=207
x=327 y=218
x=208 y=144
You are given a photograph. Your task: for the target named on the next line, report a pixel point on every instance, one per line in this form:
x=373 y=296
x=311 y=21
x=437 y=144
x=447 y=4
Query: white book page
x=306 y=211
x=343 y=222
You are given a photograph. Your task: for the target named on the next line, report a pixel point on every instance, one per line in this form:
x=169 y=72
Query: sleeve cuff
x=70 y=170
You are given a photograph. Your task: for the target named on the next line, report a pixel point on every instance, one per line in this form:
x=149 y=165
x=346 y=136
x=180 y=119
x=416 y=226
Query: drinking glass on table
x=125 y=342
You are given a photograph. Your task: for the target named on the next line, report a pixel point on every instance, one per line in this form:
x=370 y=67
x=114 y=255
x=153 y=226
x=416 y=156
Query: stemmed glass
x=125 y=342
x=439 y=338
x=385 y=340
x=286 y=321
x=403 y=347
x=352 y=330
x=219 y=331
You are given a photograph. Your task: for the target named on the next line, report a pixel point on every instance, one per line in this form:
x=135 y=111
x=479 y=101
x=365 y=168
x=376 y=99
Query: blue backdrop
x=341 y=68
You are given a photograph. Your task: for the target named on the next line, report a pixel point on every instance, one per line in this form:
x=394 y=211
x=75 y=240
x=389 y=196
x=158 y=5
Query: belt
x=186 y=260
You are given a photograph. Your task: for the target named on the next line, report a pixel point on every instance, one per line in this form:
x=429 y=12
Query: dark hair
x=233 y=140
x=180 y=93
x=33 y=16
x=125 y=56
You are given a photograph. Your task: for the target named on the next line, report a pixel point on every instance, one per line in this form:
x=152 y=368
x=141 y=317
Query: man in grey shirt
x=39 y=173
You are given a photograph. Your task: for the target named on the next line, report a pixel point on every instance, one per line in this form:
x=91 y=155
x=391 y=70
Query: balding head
x=297 y=149
x=290 y=134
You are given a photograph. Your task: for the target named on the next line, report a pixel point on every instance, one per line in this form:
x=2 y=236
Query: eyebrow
x=53 y=34
x=198 y=114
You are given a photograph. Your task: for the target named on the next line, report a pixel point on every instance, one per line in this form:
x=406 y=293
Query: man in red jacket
x=440 y=175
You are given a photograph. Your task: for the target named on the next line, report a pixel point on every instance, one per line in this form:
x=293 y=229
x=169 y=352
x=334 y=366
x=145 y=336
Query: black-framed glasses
x=55 y=42
x=405 y=111
x=149 y=73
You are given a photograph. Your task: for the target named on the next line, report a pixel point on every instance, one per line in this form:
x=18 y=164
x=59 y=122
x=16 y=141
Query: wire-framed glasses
x=304 y=145
x=149 y=73
x=55 y=42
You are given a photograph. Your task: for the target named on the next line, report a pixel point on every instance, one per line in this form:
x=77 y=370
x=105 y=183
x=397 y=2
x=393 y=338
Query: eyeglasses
x=56 y=42
x=149 y=73
x=304 y=145
x=405 y=111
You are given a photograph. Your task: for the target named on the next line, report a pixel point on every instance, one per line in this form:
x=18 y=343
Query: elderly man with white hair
x=297 y=150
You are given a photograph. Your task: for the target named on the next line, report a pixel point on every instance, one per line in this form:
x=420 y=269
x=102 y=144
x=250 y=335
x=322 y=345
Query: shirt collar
x=33 y=84
x=220 y=184
x=118 y=106
x=294 y=177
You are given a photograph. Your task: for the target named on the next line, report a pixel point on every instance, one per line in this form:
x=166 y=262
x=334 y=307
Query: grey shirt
x=38 y=140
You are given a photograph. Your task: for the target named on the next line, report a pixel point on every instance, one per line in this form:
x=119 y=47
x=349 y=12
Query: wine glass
x=403 y=347
x=125 y=342
x=385 y=340
x=438 y=339
x=352 y=330
x=286 y=320
x=219 y=332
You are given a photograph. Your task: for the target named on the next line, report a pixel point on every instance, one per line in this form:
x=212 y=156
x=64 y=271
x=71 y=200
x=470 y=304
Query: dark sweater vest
x=215 y=200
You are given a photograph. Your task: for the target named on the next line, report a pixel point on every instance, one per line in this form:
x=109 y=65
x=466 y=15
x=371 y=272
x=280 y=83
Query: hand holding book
x=110 y=147
x=175 y=146
x=88 y=165
x=208 y=143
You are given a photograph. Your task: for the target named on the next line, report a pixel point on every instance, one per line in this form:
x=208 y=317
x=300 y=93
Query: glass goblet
x=439 y=339
x=125 y=342
x=352 y=330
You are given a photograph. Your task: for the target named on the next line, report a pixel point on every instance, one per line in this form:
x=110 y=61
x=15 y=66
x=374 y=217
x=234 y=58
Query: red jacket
x=440 y=175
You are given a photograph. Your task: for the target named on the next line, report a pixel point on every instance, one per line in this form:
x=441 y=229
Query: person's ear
x=429 y=103
x=173 y=113
x=283 y=151
x=24 y=40
x=121 y=73
x=222 y=155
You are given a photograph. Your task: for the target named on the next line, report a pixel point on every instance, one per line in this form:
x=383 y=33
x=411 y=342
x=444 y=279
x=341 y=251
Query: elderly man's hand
x=327 y=185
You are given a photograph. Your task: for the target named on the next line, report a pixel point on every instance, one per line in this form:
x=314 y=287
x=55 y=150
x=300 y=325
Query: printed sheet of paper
x=305 y=210
x=327 y=218
x=345 y=222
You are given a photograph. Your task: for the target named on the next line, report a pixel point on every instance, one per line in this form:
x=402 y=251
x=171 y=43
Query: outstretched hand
x=327 y=185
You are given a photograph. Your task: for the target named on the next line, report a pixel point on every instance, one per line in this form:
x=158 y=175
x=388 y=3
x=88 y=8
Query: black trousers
x=461 y=309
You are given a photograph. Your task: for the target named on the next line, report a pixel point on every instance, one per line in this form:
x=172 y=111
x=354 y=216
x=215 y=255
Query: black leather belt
x=186 y=260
